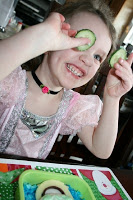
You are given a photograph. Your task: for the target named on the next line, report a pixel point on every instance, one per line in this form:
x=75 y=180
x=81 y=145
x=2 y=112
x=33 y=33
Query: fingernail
x=121 y=60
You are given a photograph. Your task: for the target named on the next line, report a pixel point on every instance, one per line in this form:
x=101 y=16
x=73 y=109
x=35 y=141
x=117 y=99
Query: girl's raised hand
x=120 y=78
x=60 y=35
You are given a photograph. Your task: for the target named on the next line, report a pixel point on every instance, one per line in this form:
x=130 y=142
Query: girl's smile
x=75 y=70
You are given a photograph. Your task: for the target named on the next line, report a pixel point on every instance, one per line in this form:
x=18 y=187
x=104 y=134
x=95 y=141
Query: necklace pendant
x=44 y=89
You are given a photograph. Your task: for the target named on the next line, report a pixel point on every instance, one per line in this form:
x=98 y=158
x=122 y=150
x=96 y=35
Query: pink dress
x=18 y=133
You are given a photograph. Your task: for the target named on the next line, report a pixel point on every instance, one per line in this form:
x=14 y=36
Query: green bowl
x=37 y=176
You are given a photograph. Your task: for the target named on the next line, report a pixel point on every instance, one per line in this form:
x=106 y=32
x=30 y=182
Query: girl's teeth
x=73 y=70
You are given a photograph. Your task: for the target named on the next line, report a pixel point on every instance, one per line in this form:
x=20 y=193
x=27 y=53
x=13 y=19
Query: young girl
x=36 y=106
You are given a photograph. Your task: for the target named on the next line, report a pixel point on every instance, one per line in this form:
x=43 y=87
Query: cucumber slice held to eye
x=86 y=33
x=116 y=55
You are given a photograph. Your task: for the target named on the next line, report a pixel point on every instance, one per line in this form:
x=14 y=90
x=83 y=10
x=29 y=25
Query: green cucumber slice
x=120 y=53
x=86 y=33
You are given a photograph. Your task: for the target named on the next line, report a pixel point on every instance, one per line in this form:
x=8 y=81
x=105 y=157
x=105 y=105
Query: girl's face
x=72 y=68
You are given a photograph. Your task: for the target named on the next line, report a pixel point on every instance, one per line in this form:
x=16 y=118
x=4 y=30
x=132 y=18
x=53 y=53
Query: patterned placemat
x=102 y=181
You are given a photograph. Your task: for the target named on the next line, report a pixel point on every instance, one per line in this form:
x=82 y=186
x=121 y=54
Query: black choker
x=44 y=88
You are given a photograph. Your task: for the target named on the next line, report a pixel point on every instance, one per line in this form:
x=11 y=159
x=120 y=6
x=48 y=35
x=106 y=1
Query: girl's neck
x=41 y=101
x=44 y=75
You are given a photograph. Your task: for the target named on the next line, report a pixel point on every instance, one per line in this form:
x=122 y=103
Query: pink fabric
x=11 y=88
x=24 y=143
x=82 y=110
x=85 y=111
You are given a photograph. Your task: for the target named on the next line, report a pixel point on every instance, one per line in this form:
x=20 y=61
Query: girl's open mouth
x=74 y=70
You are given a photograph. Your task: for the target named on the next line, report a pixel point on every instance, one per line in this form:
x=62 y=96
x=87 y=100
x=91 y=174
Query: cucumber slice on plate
x=120 y=53
x=86 y=33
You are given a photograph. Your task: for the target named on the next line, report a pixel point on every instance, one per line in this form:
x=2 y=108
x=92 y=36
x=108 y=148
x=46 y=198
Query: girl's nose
x=86 y=59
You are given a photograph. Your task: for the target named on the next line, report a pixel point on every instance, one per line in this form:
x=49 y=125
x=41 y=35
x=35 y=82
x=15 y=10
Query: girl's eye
x=98 y=57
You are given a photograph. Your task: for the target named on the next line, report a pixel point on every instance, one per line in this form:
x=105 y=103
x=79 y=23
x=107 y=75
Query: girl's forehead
x=87 y=20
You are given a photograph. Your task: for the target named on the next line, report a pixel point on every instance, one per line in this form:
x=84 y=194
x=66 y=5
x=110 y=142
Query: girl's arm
x=53 y=34
x=101 y=141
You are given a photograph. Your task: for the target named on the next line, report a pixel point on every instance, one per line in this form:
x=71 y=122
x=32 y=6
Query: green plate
x=36 y=177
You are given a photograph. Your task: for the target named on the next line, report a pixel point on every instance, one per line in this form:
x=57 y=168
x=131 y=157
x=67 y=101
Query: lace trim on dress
x=12 y=123
x=67 y=96
x=11 y=88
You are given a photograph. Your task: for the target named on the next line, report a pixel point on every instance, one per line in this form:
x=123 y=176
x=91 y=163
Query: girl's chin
x=69 y=83
x=71 y=87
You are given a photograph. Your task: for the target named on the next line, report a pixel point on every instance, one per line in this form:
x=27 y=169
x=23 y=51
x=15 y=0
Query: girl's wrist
x=110 y=96
x=111 y=100
x=107 y=97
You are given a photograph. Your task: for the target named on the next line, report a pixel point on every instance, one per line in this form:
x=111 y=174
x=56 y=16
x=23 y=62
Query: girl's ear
x=46 y=53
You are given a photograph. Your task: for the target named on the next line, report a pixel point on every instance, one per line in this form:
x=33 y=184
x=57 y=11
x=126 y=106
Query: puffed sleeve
x=11 y=87
x=86 y=111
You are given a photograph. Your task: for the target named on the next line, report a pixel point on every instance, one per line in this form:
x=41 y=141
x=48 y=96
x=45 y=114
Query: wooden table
x=126 y=179
x=124 y=176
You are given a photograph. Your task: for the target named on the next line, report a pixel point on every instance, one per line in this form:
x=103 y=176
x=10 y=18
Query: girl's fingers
x=123 y=68
x=65 y=32
x=65 y=26
x=126 y=81
x=79 y=41
x=124 y=63
x=125 y=75
x=72 y=33
x=62 y=17
x=130 y=59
